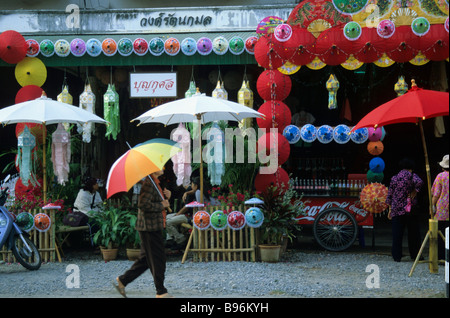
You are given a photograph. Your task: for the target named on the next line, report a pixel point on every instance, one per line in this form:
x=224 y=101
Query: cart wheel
x=335 y=229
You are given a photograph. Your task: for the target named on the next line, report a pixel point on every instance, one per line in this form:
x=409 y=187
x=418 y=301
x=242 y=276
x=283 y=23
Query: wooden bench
x=62 y=234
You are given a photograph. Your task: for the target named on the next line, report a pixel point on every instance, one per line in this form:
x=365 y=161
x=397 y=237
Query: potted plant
x=281 y=208
x=110 y=231
x=131 y=235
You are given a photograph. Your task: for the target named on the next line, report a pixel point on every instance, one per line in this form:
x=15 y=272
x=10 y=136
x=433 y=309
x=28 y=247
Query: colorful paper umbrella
x=42 y=222
x=25 y=221
x=202 y=220
x=219 y=220
x=27 y=93
x=254 y=217
x=236 y=220
x=139 y=162
x=373 y=197
x=375 y=148
x=13 y=47
x=31 y=71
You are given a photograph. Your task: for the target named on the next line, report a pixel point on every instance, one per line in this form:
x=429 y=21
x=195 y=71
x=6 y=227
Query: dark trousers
x=399 y=223
x=152 y=257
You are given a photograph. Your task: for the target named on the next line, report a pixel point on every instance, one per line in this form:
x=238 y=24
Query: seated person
x=88 y=200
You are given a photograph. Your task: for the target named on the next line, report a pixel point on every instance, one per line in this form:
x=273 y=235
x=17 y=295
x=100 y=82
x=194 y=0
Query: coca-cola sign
x=313 y=206
x=151 y=85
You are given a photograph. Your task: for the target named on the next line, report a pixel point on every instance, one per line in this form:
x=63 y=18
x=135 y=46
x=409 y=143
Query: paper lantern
x=37 y=130
x=279 y=179
x=245 y=97
x=191 y=90
x=332 y=87
x=93 y=47
x=277 y=115
x=87 y=102
x=182 y=160
x=271 y=143
x=156 y=46
x=111 y=112
x=25 y=143
x=64 y=96
x=220 y=92
x=61 y=153
x=266 y=53
x=273 y=85
x=125 y=47
x=236 y=220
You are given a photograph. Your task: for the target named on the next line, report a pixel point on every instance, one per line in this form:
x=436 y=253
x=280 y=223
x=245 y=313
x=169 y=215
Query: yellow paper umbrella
x=31 y=71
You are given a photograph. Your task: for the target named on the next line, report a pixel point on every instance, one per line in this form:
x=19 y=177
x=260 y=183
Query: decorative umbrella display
x=308 y=133
x=360 y=136
x=25 y=221
x=172 y=46
x=413 y=107
x=140 y=46
x=189 y=46
x=62 y=48
x=292 y=134
x=31 y=71
x=47 y=48
x=325 y=134
x=373 y=197
x=139 y=162
x=78 y=47
x=250 y=43
x=93 y=47
x=156 y=46
x=32 y=48
x=42 y=222
x=236 y=220
x=220 y=45
x=254 y=217
x=109 y=47
x=341 y=134
x=46 y=111
x=219 y=220
x=199 y=107
x=13 y=47
x=125 y=47
x=204 y=46
x=375 y=148
x=202 y=220
x=268 y=24
x=236 y=45
x=27 y=93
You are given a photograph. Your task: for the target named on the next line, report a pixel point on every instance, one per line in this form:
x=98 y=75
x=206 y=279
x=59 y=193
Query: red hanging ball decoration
x=267 y=53
x=279 y=179
x=267 y=144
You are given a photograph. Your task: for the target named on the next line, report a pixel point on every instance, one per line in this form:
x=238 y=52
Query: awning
x=117 y=59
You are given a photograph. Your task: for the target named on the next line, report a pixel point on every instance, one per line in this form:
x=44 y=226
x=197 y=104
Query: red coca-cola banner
x=315 y=205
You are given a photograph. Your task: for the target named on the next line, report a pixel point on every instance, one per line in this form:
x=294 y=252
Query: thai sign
x=149 y=85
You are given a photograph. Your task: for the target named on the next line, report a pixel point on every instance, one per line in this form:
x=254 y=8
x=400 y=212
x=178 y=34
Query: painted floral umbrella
x=373 y=197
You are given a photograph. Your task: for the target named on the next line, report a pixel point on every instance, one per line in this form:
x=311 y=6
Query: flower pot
x=109 y=254
x=133 y=253
x=270 y=253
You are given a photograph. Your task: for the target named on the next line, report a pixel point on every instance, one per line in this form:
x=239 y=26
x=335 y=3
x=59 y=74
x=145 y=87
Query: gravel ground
x=299 y=274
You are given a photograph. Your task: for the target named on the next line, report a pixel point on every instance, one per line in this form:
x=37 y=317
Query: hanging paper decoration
x=26 y=142
x=272 y=84
x=220 y=92
x=87 y=102
x=192 y=89
x=216 y=154
x=65 y=97
x=277 y=115
x=401 y=87
x=125 y=47
x=42 y=222
x=332 y=87
x=219 y=220
x=182 y=160
x=61 y=153
x=245 y=97
x=267 y=54
x=111 y=112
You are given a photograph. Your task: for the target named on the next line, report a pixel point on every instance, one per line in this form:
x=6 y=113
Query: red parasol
x=435 y=44
x=267 y=52
x=277 y=115
x=13 y=47
x=332 y=47
x=28 y=92
x=300 y=47
x=370 y=46
x=373 y=197
x=401 y=46
x=279 y=179
x=267 y=145
x=412 y=107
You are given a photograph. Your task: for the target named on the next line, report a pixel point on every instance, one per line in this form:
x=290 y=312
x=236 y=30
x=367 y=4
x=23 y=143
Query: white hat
x=444 y=162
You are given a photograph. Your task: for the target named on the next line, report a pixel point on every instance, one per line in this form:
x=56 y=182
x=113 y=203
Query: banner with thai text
x=150 y=85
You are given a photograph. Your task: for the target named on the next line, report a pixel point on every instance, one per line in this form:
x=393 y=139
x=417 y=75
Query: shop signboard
x=151 y=85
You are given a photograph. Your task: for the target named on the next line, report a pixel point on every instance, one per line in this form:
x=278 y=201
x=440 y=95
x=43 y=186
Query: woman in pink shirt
x=439 y=201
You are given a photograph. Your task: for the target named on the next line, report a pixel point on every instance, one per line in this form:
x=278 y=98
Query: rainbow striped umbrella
x=139 y=162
